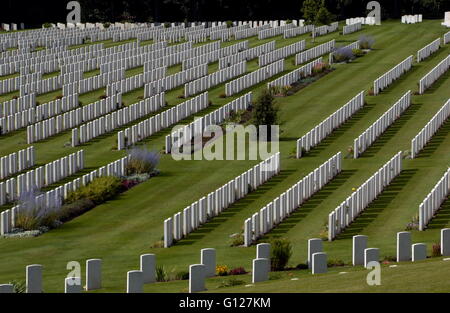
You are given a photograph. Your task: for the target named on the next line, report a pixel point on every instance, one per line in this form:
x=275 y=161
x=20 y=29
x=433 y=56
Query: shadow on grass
x=336 y=134
x=235 y=208
x=390 y=132
x=303 y=211
x=378 y=205
x=442 y=217
x=436 y=141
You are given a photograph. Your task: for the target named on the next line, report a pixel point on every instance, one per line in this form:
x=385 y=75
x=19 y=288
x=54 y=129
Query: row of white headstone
x=371 y=134
x=325 y=29
x=272 y=32
x=138 y=81
x=297 y=31
x=315 y=136
x=282 y=207
x=246 y=55
x=13 y=26
x=96 y=82
x=386 y=79
x=434 y=200
x=432 y=76
x=412 y=19
x=16 y=162
x=281 y=53
x=295 y=75
x=446 y=38
x=186 y=133
x=214 y=79
x=17 y=105
x=198 y=213
x=425 y=135
x=348 y=210
x=250 y=32
x=34 y=115
x=154 y=124
x=428 y=50
x=315 y=52
x=353 y=46
x=117 y=119
x=352 y=28
x=253 y=78
x=13 y=84
x=14 y=188
x=363 y=20
x=215 y=55
x=55 y=125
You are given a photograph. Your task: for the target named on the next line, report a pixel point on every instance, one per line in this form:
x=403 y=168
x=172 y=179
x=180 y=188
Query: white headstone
x=135 y=282
x=34 y=278
x=319 y=263
x=419 y=252
x=197 y=275
x=93 y=274
x=260 y=271
x=208 y=259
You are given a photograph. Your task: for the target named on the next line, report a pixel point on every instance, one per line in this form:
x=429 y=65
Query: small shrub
x=237 y=240
x=231 y=282
x=371 y=92
x=98 y=191
x=71 y=210
x=281 y=252
x=183 y=275
x=320 y=67
x=221 y=270
x=343 y=54
x=161 y=274
x=27 y=221
x=19 y=286
x=414 y=224
x=158 y=244
x=389 y=258
x=142 y=161
x=238 y=271
x=47 y=25
x=366 y=42
x=288 y=21
x=436 y=250
x=357 y=53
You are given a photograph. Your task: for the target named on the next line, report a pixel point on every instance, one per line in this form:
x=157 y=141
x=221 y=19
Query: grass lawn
x=122 y=229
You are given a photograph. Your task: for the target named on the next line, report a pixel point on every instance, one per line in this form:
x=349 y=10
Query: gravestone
x=314 y=246
x=371 y=255
x=135 y=282
x=208 y=259
x=260 y=271
x=6 y=288
x=197 y=275
x=319 y=263
x=34 y=278
x=72 y=285
x=404 y=246
x=263 y=251
x=445 y=242
x=93 y=274
x=148 y=263
x=419 y=252
x=359 y=245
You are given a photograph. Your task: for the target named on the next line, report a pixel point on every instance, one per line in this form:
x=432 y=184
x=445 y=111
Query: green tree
x=323 y=17
x=310 y=9
x=265 y=111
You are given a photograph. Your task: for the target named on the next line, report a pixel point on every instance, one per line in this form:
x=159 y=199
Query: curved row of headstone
x=428 y=50
x=36 y=114
x=315 y=136
x=297 y=31
x=16 y=162
x=198 y=213
x=434 y=200
x=246 y=55
x=18 y=104
x=215 y=55
x=341 y=217
x=432 y=76
x=279 y=209
x=42 y=86
x=295 y=75
x=137 y=81
x=388 y=78
x=214 y=79
x=14 y=188
x=412 y=19
x=226 y=34
x=281 y=53
x=253 y=78
x=250 y=32
x=425 y=135
x=353 y=46
x=363 y=20
x=175 y=80
x=325 y=29
x=352 y=28
x=197 y=127
x=13 y=84
x=272 y=32
x=109 y=122
x=93 y=83
x=446 y=38
x=55 y=125
x=315 y=52
x=52 y=200
x=154 y=124
x=371 y=134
